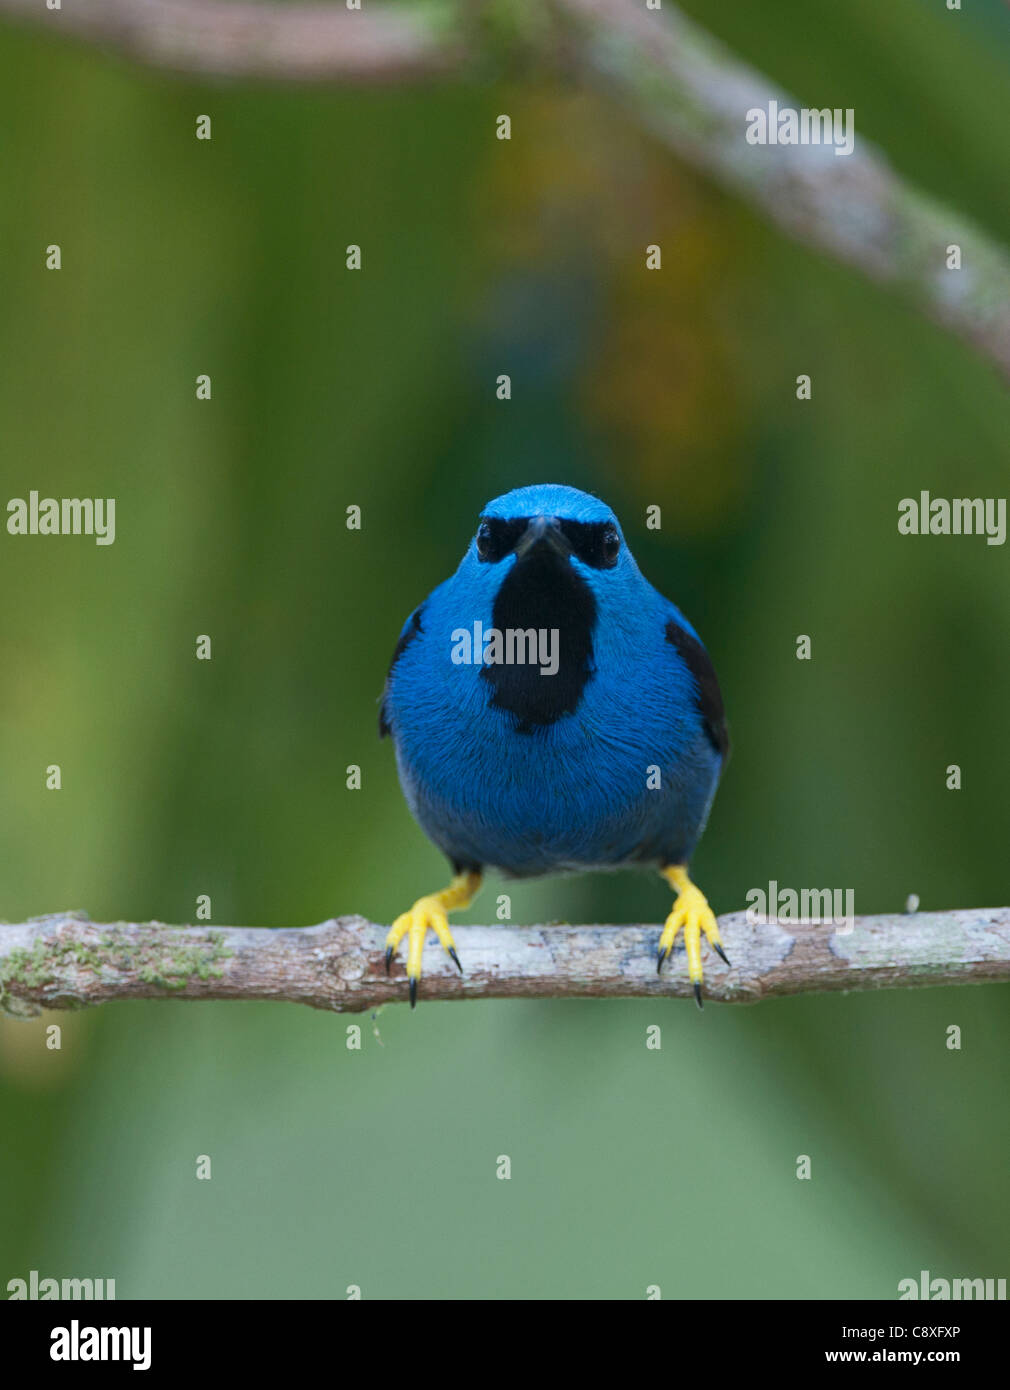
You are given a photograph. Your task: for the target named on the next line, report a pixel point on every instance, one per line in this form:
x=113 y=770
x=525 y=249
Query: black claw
x=413 y=992
x=697 y=994
x=660 y=957
x=389 y=957
x=453 y=957
x=716 y=947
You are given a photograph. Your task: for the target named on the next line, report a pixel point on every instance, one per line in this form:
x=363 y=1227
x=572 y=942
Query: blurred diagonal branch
x=675 y=79
x=689 y=90
x=66 y=961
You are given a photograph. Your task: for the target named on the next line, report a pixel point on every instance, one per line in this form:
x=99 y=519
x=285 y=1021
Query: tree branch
x=674 y=78
x=66 y=961
x=290 y=43
x=691 y=92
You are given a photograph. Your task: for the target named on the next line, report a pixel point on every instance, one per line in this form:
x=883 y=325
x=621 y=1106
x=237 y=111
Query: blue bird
x=552 y=712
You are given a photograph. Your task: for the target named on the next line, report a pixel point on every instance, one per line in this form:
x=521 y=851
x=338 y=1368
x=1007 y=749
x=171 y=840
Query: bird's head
x=549 y=529
x=549 y=562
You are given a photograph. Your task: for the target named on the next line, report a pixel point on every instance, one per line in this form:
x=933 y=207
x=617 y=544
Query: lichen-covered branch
x=66 y=961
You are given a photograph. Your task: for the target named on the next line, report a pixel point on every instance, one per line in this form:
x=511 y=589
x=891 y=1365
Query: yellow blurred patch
x=29 y=1054
x=577 y=186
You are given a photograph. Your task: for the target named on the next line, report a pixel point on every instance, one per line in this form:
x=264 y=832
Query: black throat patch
x=542 y=591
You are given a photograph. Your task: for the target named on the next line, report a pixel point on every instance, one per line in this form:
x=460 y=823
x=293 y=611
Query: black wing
x=699 y=663
x=410 y=630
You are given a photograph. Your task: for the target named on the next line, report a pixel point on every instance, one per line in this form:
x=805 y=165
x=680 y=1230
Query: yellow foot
x=692 y=912
x=429 y=913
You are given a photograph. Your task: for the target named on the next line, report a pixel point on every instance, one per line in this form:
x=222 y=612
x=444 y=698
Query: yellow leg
x=692 y=912
x=427 y=913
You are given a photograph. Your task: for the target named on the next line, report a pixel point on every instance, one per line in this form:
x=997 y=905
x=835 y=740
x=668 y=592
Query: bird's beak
x=547 y=530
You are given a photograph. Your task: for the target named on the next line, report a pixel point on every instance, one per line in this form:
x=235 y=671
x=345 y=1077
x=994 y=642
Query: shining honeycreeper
x=551 y=711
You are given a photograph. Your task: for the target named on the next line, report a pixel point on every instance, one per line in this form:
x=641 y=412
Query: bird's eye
x=497 y=537
x=610 y=544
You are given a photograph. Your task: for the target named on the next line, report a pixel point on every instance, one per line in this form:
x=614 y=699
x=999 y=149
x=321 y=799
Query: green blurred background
x=377 y=1168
